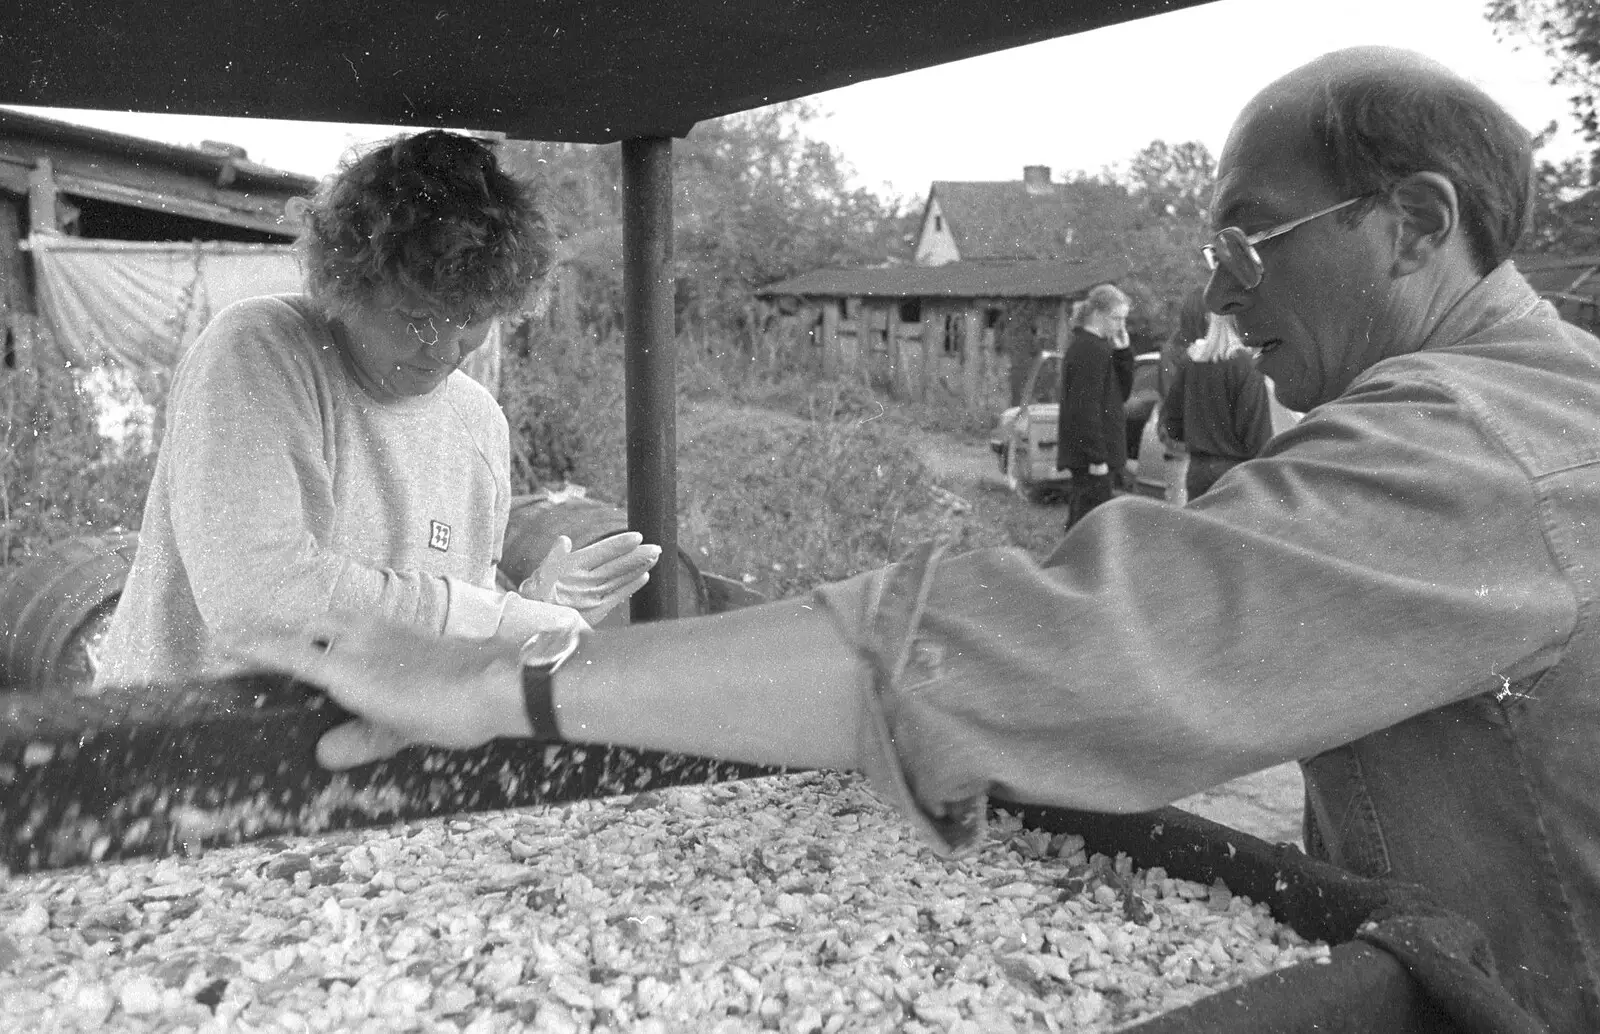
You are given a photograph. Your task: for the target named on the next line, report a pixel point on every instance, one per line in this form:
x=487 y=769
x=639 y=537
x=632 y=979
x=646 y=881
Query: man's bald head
x=1371 y=116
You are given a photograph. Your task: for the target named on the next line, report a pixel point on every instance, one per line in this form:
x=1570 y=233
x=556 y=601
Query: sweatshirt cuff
x=473 y=611
x=524 y=619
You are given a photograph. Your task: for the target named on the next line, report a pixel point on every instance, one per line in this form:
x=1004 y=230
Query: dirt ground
x=1266 y=804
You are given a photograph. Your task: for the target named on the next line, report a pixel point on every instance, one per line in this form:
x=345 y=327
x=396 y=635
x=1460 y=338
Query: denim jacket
x=1403 y=590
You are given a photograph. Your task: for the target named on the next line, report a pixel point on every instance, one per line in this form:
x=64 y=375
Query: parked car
x=1024 y=438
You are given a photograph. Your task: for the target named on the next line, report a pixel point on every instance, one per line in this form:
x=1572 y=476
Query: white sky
x=1081 y=102
x=1095 y=99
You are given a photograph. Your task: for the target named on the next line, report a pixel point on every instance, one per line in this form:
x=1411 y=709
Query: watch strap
x=538 y=682
x=542 y=654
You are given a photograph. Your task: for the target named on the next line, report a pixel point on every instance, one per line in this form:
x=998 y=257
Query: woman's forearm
x=774 y=684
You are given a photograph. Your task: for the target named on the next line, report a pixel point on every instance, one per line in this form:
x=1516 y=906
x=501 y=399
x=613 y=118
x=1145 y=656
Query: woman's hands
x=409 y=686
x=594 y=579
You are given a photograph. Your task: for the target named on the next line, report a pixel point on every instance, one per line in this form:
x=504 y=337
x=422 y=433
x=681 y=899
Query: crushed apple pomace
x=796 y=903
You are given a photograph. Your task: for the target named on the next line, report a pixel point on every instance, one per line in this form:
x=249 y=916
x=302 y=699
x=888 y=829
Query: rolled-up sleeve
x=1384 y=558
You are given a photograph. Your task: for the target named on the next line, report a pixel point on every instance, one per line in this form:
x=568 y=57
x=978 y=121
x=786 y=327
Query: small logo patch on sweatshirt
x=439 y=536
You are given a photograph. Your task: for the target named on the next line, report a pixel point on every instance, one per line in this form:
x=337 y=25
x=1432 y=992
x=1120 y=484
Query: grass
x=791 y=504
x=60 y=476
x=784 y=482
x=1032 y=526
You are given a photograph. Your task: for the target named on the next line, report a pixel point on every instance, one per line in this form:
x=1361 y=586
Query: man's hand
x=408 y=686
x=594 y=579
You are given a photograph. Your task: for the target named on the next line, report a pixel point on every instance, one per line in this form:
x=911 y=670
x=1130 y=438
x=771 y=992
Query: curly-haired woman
x=323 y=453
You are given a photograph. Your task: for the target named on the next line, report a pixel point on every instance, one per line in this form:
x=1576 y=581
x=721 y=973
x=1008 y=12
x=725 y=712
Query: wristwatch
x=542 y=656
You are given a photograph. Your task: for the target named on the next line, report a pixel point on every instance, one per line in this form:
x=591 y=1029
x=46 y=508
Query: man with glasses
x=1403 y=590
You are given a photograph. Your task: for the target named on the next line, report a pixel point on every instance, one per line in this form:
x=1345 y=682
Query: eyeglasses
x=1231 y=249
x=416 y=322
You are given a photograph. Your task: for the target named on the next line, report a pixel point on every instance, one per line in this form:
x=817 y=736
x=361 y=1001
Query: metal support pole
x=651 y=382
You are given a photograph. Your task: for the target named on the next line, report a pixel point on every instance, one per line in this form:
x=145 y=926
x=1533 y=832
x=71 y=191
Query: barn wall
x=17 y=318
x=950 y=353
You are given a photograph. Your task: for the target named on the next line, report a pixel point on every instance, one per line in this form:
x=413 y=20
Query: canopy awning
x=593 y=71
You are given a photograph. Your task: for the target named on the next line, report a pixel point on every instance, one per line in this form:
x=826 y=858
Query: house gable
x=935 y=243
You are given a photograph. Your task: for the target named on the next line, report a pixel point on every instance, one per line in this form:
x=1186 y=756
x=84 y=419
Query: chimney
x=1036 y=179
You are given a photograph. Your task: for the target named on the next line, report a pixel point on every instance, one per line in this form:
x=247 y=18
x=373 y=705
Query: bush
x=798 y=504
x=783 y=481
x=562 y=394
x=60 y=476
x=951 y=416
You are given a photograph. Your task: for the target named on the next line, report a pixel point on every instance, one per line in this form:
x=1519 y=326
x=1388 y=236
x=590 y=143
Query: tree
x=579 y=189
x=1564 y=207
x=759 y=201
x=1152 y=215
x=1569 y=33
x=1174 y=180
x=755 y=200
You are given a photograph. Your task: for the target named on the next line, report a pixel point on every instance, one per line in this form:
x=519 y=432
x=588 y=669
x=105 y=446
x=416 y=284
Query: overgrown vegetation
x=1568 y=31
x=1567 y=192
x=796 y=504
x=783 y=482
x=755 y=200
x=60 y=475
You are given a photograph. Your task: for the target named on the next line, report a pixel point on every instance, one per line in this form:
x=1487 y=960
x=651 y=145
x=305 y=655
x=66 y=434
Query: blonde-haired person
x=1096 y=380
x=1217 y=406
x=324 y=453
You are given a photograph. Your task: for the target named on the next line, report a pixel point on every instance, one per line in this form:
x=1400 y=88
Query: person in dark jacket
x=1217 y=406
x=1096 y=380
x=1191 y=327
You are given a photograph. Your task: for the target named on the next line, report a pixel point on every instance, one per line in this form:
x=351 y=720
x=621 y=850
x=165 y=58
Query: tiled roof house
x=1017 y=220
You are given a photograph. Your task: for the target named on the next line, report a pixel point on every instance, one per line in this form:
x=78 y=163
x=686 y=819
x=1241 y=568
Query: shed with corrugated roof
x=150 y=229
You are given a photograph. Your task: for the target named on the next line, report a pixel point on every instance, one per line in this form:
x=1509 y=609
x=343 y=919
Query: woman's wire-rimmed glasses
x=1235 y=251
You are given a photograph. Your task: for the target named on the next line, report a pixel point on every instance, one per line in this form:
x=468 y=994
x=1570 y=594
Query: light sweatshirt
x=283 y=490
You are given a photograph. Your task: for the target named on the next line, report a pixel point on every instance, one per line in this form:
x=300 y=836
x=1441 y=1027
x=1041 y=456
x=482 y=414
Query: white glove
x=595 y=578
x=477 y=612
